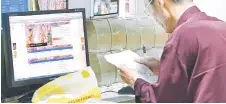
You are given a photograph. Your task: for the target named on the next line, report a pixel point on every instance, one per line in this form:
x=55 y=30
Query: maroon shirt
x=193 y=63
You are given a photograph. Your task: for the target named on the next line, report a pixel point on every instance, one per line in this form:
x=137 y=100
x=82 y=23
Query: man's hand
x=129 y=76
x=151 y=63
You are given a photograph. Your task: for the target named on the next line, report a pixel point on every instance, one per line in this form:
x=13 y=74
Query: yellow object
x=33 y=5
x=77 y=87
x=14 y=54
x=85 y=74
x=66 y=76
x=93 y=93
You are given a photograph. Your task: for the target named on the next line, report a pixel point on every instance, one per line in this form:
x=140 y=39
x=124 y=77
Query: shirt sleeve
x=173 y=79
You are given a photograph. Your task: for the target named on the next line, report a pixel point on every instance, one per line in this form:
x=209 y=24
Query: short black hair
x=180 y=1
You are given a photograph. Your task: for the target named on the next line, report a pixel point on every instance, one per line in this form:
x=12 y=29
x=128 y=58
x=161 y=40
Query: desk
x=12 y=99
x=107 y=97
x=117 y=98
x=113 y=97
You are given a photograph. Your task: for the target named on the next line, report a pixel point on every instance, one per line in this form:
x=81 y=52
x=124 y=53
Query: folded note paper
x=127 y=58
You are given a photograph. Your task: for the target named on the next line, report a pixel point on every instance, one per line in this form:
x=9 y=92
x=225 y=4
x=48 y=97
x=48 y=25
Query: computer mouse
x=126 y=90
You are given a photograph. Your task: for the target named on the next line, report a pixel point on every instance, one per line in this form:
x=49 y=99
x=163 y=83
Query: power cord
x=26 y=97
x=3 y=98
x=108 y=91
x=9 y=100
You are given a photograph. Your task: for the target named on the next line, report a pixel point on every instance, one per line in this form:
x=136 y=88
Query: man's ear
x=161 y=2
x=163 y=6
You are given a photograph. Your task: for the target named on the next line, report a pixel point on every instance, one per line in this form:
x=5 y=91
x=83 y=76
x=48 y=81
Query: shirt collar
x=188 y=14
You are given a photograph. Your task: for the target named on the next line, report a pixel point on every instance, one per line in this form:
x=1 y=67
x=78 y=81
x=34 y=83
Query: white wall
x=216 y=8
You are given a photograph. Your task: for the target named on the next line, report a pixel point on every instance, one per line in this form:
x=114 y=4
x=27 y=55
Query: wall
x=81 y=4
x=211 y=7
x=214 y=8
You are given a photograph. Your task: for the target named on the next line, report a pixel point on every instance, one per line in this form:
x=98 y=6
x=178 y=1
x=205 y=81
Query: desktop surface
x=108 y=93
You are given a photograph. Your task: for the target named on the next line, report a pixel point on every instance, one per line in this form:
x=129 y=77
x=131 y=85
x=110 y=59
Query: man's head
x=167 y=12
x=30 y=30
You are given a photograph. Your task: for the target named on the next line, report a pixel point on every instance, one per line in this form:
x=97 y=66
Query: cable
x=3 y=98
x=9 y=100
x=108 y=91
x=24 y=97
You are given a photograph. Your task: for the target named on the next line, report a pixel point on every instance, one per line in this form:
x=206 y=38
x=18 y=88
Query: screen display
x=47 y=45
x=104 y=7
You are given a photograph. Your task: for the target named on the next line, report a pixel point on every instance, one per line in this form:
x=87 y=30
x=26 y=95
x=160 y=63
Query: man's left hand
x=128 y=75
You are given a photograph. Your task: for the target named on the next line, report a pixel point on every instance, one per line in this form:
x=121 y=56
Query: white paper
x=127 y=58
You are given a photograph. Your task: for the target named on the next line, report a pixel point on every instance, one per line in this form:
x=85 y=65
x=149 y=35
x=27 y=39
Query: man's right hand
x=152 y=63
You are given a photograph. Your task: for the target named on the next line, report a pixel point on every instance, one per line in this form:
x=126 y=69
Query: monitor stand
x=24 y=97
x=27 y=97
x=21 y=94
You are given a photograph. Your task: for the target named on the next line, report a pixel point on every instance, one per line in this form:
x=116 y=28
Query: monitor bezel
x=8 y=52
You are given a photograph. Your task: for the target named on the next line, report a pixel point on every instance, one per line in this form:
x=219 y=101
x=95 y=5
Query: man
x=30 y=37
x=43 y=34
x=193 y=63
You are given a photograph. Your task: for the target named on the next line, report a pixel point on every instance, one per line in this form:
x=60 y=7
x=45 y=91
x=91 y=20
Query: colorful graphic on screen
x=51 y=45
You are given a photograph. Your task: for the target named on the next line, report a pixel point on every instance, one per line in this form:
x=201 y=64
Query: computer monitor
x=42 y=45
x=105 y=7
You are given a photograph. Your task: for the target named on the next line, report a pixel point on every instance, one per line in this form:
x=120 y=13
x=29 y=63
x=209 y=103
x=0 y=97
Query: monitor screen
x=47 y=45
x=105 y=7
